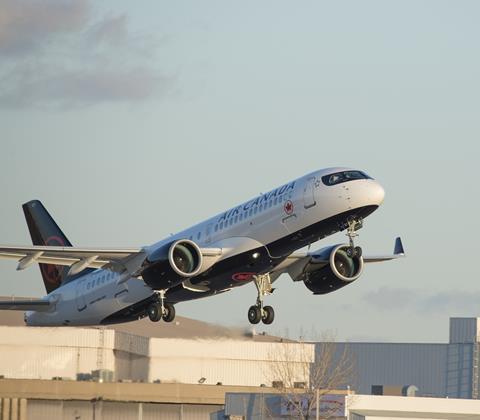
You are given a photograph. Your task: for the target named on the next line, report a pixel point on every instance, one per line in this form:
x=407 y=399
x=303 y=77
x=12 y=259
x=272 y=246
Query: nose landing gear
x=161 y=310
x=258 y=312
x=353 y=224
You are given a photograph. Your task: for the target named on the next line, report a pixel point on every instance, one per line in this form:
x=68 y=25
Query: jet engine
x=172 y=263
x=342 y=269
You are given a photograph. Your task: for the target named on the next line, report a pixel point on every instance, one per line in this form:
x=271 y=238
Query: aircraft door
x=309 y=193
x=80 y=295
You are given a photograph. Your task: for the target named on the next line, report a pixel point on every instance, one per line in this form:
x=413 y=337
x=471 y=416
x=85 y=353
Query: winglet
x=398 y=249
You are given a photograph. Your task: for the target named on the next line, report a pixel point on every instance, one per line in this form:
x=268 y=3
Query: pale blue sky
x=133 y=120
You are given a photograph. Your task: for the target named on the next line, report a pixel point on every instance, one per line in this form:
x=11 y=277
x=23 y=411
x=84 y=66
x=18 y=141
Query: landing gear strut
x=353 y=224
x=161 y=310
x=258 y=312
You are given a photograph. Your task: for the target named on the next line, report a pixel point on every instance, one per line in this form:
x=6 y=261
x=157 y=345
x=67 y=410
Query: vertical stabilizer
x=44 y=231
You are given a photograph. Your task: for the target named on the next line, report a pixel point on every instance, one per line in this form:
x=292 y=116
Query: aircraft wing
x=66 y=256
x=38 y=305
x=398 y=252
x=296 y=262
x=127 y=261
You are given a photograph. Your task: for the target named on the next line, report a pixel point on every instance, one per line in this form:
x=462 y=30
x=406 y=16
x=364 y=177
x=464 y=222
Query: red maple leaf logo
x=52 y=272
x=288 y=207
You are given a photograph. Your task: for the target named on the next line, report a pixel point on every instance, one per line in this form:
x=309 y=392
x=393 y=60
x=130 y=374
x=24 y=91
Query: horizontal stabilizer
x=26 y=305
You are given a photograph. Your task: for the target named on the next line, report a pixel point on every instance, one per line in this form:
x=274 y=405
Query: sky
x=134 y=120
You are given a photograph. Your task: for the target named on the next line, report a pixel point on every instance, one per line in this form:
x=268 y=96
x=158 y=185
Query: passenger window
x=199 y=234
x=216 y=228
x=236 y=219
x=255 y=210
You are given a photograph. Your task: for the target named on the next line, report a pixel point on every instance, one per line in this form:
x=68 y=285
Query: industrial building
x=164 y=355
x=192 y=370
x=27 y=399
x=437 y=370
x=261 y=406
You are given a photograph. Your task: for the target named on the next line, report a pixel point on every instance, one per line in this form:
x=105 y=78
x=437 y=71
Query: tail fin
x=44 y=231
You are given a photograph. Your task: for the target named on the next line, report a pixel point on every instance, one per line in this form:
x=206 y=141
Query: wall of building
x=67 y=352
x=438 y=370
x=108 y=410
x=230 y=362
x=423 y=365
x=44 y=353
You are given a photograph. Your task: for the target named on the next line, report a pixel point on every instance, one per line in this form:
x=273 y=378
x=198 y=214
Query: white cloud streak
x=425 y=301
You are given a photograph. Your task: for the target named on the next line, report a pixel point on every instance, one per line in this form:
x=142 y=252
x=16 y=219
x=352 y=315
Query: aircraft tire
x=154 y=312
x=254 y=314
x=169 y=314
x=268 y=315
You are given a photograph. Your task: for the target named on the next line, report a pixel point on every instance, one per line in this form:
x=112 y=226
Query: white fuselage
x=258 y=222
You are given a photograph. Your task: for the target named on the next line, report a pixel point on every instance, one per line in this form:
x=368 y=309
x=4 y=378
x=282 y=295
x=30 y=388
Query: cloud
x=54 y=54
x=386 y=298
x=111 y=31
x=26 y=25
x=83 y=88
x=424 y=301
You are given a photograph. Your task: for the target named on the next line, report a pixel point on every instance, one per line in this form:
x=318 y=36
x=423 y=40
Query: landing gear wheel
x=169 y=312
x=354 y=252
x=268 y=315
x=254 y=314
x=358 y=251
x=154 y=312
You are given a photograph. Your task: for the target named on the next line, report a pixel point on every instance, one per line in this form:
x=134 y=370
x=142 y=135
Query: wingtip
x=398 y=249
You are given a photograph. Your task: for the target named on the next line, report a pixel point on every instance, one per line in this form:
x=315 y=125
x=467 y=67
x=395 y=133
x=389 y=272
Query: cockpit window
x=345 y=176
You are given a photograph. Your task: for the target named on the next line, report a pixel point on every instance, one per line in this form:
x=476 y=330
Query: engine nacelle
x=172 y=263
x=342 y=269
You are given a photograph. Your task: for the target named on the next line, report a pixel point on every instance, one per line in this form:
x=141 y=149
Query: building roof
x=118 y=391
x=373 y=406
x=182 y=327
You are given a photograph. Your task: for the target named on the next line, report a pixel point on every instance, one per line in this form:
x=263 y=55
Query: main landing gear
x=258 y=312
x=353 y=224
x=161 y=310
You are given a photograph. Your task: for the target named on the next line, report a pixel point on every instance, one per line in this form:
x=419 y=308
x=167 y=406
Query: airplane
x=254 y=242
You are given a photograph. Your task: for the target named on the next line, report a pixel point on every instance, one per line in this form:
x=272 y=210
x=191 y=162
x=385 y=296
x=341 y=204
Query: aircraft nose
x=377 y=193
